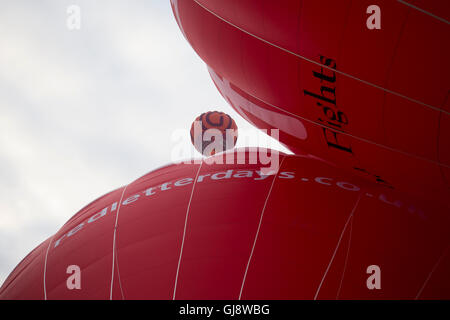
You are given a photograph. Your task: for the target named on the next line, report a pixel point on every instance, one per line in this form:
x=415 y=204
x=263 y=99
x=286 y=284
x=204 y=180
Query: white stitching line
x=324 y=126
x=114 y=242
x=45 y=266
x=337 y=246
x=388 y=74
x=431 y=272
x=346 y=259
x=118 y=275
x=424 y=11
x=259 y=227
x=352 y=136
x=324 y=66
x=184 y=231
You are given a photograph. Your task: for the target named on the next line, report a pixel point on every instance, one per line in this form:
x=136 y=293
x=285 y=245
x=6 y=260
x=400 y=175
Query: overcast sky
x=85 y=111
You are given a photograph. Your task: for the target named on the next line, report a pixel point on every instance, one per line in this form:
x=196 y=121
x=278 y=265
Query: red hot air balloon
x=225 y=231
x=213 y=132
x=373 y=101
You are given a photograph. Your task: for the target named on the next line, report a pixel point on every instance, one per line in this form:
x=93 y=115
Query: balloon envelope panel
x=375 y=100
x=224 y=231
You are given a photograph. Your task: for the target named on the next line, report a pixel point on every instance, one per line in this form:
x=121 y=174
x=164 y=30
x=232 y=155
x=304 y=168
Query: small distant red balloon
x=207 y=127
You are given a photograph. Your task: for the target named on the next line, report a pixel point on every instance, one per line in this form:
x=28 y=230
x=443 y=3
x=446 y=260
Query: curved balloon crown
x=227 y=231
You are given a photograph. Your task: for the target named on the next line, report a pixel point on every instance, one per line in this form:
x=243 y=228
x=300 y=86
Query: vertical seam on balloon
x=324 y=66
x=298 y=44
x=114 y=242
x=258 y=229
x=45 y=266
x=438 y=140
x=431 y=272
x=118 y=274
x=346 y=259
x=388 y=74
x=184 y=230
x=337 y=246
x=342 y=39
x=344 y=33
x=424 y=11
x=438 y=151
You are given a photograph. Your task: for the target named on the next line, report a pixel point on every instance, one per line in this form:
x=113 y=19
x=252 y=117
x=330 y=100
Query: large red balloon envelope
x=224 y=231
x=373 y=101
